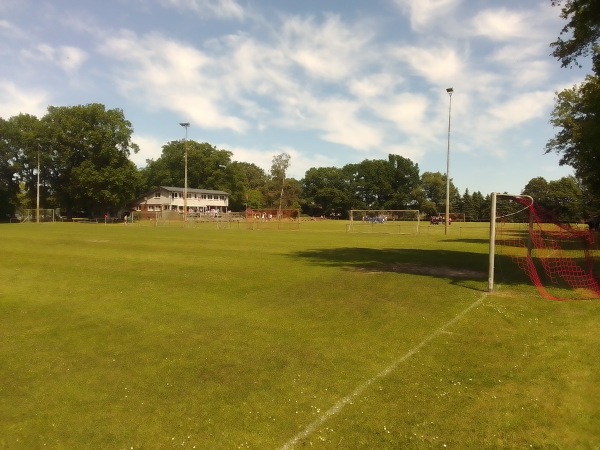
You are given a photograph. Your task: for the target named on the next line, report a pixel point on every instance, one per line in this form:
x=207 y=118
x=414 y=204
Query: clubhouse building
x=167 y=198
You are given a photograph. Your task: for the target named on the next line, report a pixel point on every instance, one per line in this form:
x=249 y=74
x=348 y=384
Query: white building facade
x=167 y=198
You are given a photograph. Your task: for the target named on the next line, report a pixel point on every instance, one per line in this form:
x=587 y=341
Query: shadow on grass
x=462 y=268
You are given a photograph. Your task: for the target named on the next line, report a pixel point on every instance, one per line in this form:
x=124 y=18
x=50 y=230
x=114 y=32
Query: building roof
x=193 y=191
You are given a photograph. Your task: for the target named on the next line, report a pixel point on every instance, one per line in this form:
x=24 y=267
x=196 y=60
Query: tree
x=563 y=198
x=280 y=192
x=538 y=189
x=206 y=166
x=88 y=148
x=405 y=178
x=19 y=155
x=325 y=192
x=247 y=182
x=577 y=115
x=582 y=29
x=576 y=112
x=434 y=185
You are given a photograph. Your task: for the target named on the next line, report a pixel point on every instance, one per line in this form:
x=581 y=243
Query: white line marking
x=339 y=405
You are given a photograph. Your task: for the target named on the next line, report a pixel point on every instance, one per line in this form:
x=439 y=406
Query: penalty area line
x=341 y=403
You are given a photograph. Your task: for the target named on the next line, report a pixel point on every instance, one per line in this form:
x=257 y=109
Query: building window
x=157 y=195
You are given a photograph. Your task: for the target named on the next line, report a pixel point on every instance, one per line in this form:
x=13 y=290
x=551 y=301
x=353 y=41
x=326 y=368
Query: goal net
x=31 y=215
x=557 y=257
x=398 y=221
x=272 y=219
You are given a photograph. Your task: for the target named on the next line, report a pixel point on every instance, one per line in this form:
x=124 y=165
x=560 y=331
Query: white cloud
x=423 y=12
x=15 y=100
x=221 y=9
x=503 y=24
x=150 y=148
x=520 y=109
x=407 y=111
x=328 y=51
x=169 y=75
x=68 y=58
x=375 y=85
x=439 y=65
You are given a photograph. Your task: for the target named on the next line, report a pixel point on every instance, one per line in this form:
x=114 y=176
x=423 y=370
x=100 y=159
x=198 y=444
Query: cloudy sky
x=330 y=82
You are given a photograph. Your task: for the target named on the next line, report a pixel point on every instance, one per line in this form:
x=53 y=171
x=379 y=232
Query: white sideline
x=310 y=429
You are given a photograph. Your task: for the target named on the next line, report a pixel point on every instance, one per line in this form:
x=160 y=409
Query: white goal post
x=493 y=220
x=399 y=221
x=31 y=215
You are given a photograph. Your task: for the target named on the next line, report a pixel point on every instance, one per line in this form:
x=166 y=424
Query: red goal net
x=557 y=257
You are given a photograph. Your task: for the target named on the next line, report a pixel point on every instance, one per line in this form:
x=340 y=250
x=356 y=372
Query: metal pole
x=37 y=212
x=450 y=91
x=185 y=170
x=492 y=252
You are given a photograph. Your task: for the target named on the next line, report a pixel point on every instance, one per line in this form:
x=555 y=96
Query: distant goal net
x=38 y=215
x=393 y=221
x=272 y=219
x=557 y=257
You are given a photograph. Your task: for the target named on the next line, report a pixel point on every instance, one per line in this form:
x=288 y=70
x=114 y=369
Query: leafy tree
x=280 y=192
x=325 y=192
x=19 y=156
x=566 y=197
x=247 y=181
x=481 y=206
x=466 y=206
x=206 y=166
x=405 y=178
x=538 y=189
x=88 y=148
x=422 y=203
x=563 y=198
x=434 y=186
x=577 y=115
x=582 y=30
x=576 y=112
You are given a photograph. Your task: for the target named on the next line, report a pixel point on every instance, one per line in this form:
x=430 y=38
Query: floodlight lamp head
x=184 y=124
x=450 y=90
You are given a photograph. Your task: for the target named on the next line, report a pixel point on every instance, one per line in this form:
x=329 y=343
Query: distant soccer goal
x=31 y=215
x=272 y=219
x=392 y=221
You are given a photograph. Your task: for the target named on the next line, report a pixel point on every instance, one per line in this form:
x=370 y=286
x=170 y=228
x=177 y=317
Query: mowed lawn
x=133 y=336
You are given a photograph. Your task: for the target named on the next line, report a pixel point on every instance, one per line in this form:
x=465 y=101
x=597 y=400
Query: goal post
x=493 y=219
x=38 y=215
x=556 y=256
x=274 y=219
x=398 y=221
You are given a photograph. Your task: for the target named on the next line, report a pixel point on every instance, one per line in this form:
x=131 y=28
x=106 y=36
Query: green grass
x=135 y=336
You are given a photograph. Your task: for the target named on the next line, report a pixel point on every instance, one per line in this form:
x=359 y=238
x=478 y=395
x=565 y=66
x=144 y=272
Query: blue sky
x=330 y=82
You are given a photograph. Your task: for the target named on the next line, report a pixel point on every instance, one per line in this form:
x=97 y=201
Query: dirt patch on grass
x=434 y=271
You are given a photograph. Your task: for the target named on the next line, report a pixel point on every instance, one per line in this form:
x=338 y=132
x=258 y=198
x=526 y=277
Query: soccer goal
x=272 y=219
x=393 y=221
x=31 y=215
x=557 y=257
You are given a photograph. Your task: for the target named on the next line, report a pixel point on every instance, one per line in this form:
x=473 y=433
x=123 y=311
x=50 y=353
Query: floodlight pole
x=37 y=207
x=185 y=170
x=449 y=91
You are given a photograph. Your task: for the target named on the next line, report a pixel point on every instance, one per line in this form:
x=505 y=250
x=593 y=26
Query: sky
x=330 y=82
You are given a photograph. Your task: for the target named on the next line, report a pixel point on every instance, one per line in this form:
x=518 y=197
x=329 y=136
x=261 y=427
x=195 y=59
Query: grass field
x=132 y=336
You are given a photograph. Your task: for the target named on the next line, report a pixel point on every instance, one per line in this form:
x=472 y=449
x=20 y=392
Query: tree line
x=84 y=170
